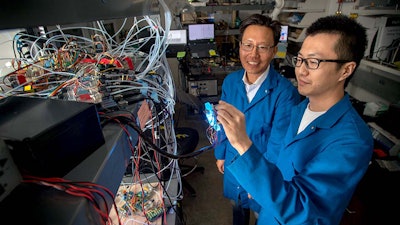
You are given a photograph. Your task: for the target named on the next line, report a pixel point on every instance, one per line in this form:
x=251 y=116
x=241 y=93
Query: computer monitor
x=177 y=41
x=284 y=33
x=282 y=45
x=201 y=32
x=177 y=37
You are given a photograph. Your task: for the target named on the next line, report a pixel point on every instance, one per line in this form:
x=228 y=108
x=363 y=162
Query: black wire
x=128 y=121
x=148 y=141
x=169 y=155
x=181 y=219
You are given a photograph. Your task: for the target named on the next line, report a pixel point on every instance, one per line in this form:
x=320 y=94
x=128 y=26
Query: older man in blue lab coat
x=264 y=96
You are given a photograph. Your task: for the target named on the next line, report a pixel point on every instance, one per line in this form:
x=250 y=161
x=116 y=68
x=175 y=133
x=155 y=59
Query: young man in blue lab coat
x=264 y=96
x=327 y=148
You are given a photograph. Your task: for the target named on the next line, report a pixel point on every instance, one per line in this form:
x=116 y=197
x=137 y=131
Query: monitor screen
x=284 y=33
x=198 y=32
x=177 y=37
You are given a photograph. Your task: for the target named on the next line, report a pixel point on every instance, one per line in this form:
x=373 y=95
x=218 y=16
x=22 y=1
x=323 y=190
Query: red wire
x=80 y=189
x=136 y=159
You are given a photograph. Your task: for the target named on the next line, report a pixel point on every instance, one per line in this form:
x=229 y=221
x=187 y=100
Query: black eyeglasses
x=248 y=47
x=313 y=63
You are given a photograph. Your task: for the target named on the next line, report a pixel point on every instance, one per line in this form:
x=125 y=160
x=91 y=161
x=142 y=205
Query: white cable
x=277 y=9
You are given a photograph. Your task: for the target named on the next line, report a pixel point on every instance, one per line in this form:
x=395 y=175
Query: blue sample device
x=211 y=116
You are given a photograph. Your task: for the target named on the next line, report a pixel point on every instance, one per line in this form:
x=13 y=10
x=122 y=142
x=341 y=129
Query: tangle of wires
x=155 y=155
x=60 y=64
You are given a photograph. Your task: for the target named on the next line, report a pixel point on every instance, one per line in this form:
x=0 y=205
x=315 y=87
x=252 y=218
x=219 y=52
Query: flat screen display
x=284 y=33
x=198 y=32
x=177 y=37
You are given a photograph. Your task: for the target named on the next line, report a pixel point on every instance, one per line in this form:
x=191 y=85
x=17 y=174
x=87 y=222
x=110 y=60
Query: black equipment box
x=49 y=137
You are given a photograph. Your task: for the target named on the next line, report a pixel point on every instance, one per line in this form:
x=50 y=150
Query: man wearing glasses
x=327 y=148
x=264 y=96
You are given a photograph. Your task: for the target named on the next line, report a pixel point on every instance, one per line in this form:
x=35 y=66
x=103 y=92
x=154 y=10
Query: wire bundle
x=68 y=66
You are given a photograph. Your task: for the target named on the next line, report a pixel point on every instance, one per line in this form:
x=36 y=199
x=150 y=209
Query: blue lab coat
x=316 y=172
x=267 y=118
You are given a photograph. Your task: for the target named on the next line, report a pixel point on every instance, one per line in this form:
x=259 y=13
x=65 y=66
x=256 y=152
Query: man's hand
x=234 y=124
x=220 y=165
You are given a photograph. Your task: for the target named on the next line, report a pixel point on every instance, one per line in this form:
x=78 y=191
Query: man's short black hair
x=353 y=37
x=262 y=20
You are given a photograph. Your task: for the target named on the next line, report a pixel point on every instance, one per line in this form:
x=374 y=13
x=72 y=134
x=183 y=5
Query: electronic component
x=211 y=116
x=139 y=202
x=177 y=37
x=49 y=137
x=203 y=87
